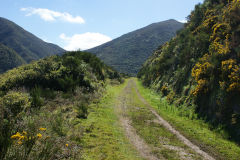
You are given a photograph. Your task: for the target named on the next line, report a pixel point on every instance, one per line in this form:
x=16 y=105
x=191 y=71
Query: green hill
x=127 y=53
x=25 y=44
x=9 y=59
x=200 y=67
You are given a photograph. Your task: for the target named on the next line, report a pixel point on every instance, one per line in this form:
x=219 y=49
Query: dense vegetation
x=200 y=67
x=9 y=58
x=42 y=102
x=25 y=44
x=127 y=53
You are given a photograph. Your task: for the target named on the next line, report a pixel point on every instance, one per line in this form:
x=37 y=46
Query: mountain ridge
x=128 y=52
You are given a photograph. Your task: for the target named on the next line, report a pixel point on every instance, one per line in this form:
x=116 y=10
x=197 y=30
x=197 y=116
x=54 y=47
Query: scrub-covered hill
x=200 y=67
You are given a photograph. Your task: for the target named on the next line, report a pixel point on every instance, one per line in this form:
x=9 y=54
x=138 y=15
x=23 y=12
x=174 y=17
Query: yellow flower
x=20 y=138
x=42 y=129
x=16 y=136
x=39 y=135
x=66 y=145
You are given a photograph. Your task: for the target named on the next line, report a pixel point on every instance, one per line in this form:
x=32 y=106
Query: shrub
x=11 y=105
x=34 y=144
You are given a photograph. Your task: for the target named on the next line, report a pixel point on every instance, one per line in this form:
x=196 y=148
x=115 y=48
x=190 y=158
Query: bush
x=11 y=105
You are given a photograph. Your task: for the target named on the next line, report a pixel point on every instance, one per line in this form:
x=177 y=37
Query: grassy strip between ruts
x=194 y=129
x=103 y=136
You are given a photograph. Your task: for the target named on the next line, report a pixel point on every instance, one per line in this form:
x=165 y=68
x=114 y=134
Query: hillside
x=127 y=53
x=25 y=44
x=9 y=59
x=200 y=67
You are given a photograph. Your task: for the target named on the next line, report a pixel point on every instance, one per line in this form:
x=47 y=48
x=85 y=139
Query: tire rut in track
x=130 y=132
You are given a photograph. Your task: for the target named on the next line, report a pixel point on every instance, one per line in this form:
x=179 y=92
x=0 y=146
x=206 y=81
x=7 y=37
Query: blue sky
x=83 y=24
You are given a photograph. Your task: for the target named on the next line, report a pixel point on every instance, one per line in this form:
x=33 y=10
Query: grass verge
x=196 y=130
x=103 y=136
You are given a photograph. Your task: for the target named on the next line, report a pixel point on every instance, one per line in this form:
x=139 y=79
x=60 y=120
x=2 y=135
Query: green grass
x=103 y=136
x=199 y=132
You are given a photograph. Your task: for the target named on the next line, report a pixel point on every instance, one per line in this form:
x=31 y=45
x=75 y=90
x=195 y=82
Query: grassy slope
x=196 y=130
x=103 y=137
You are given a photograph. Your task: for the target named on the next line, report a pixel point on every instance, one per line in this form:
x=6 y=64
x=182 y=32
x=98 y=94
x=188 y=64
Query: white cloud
x=49 y=15
x=182 y=21
x=84 y=41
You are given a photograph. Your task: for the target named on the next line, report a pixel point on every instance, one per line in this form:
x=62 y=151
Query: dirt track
x=141 y=146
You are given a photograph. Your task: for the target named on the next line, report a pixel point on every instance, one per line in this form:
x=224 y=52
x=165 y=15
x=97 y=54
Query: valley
x=167 y=91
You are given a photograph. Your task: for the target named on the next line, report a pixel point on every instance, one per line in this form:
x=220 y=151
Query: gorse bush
x=12 y=106
x=59 y=73
x=35 y=144
x=204 y=58
x=31 y=95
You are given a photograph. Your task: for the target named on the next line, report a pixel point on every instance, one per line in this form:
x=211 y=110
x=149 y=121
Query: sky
x=83 y=24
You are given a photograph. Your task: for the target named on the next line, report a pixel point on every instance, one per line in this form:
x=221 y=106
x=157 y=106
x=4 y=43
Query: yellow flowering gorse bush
x=23 y=137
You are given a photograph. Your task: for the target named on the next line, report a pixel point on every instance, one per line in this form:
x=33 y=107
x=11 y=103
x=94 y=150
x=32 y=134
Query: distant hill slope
x=9 y=58
x=200 y=67
x=28 y=46
x=128 y=52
